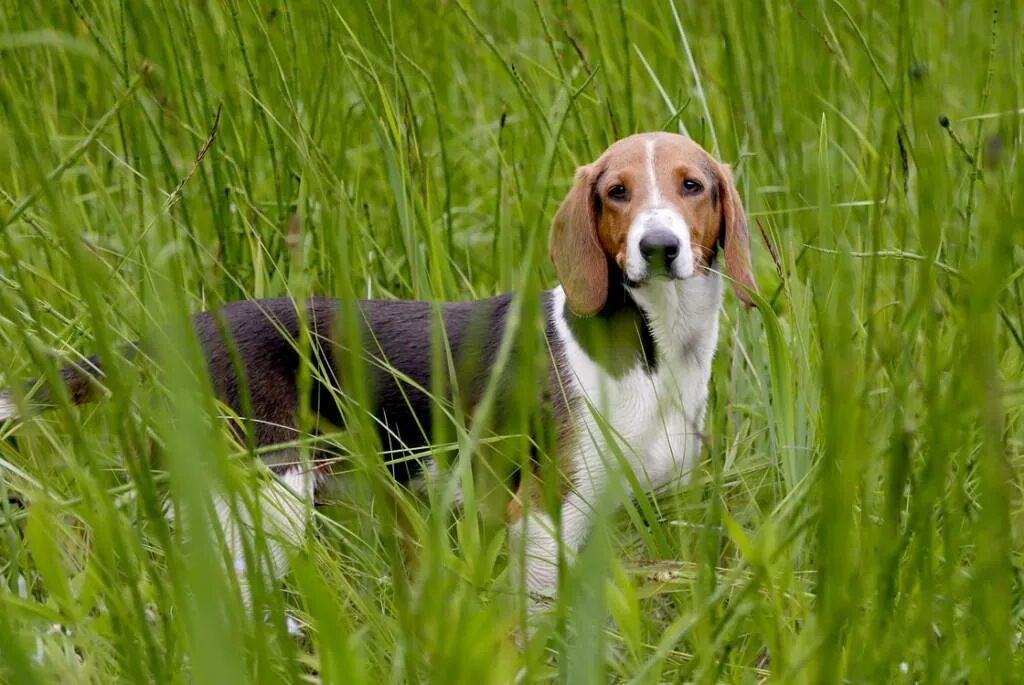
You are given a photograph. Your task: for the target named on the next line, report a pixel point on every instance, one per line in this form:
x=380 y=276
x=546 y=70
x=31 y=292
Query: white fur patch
x=652 y=176
x=653 y=420
x=656 y=418
x=8 y=410
x=286 y=502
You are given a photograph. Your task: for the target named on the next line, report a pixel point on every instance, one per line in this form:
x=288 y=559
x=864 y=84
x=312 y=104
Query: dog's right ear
x=576 y=250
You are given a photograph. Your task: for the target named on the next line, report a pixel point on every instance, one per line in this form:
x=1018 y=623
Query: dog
x=631 y=331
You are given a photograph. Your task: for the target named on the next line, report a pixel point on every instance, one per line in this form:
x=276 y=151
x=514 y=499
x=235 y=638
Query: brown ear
x=575 y=249
x=736 y=237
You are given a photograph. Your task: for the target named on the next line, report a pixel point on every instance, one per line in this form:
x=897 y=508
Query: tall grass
x=857 y=515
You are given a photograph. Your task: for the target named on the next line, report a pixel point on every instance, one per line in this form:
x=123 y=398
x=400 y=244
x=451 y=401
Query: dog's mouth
x=651 y=277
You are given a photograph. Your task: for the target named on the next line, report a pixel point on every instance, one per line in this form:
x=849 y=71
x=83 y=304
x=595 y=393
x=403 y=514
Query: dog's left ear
x=735 y=237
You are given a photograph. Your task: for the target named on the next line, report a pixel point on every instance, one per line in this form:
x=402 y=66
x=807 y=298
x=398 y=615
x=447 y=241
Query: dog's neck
x=661 y=321
x=682 y=315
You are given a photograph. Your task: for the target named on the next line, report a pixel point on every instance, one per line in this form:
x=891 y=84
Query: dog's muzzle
x=659 y=246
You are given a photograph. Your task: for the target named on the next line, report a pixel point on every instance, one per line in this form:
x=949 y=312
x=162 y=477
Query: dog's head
x=657 y=205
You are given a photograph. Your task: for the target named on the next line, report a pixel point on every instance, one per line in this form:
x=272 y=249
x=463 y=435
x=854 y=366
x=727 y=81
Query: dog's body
x=631 y=333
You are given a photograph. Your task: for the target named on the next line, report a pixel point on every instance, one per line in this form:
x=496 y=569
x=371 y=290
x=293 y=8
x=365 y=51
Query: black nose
x=659 y=246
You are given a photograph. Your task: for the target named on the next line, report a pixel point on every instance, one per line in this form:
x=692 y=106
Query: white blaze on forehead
x=657 y=215
x=652 y=178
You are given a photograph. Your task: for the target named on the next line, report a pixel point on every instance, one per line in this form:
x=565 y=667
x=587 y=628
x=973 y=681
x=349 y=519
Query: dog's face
x=658 y=206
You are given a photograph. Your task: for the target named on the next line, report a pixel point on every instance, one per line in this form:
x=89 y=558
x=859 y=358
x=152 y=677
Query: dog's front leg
x=536 y=543
x=285 y=503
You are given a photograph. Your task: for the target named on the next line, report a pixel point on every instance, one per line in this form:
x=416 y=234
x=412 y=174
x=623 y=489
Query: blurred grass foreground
x=857 y=513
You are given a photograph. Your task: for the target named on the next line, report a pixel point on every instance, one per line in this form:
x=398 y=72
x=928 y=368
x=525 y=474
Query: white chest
x=647 y=421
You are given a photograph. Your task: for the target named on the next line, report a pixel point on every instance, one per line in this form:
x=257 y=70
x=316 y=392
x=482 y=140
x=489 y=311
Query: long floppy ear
x=736 y=237
x=576 y=250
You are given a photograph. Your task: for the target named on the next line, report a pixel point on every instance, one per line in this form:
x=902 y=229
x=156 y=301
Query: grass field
x=857 y=516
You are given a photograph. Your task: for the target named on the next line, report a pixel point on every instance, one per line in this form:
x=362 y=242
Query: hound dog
x=631 y=330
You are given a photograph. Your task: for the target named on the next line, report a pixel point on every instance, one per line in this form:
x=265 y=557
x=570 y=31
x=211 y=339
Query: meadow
x=857 y=512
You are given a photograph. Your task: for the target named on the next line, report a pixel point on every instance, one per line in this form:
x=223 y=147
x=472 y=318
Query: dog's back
x=376 y=357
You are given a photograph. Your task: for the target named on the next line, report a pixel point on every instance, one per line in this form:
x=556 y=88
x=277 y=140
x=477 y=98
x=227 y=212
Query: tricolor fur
x=632 y=329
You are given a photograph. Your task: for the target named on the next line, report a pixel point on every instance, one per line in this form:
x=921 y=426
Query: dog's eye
x=618 y=192
x=691 y=187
